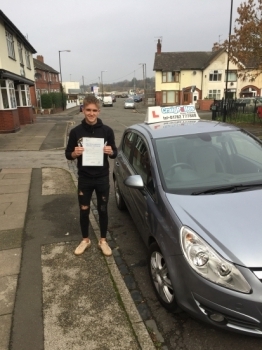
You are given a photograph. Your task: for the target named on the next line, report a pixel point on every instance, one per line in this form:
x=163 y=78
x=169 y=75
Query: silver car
x=129 y=103
x=249 y=104
x=194 y=190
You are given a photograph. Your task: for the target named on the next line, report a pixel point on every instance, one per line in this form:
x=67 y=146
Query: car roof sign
x=158 y=114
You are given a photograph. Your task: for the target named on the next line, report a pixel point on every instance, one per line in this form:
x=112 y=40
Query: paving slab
x=7 y=294
x=10 y=260
x=17 y=175
x=17 y=171
x=11 y=238
x=5 y=327
x=15 y=188
x=11 y=222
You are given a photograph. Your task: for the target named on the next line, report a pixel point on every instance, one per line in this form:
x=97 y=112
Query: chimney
x=40 y=58
x=215 y=47
x=158 y=47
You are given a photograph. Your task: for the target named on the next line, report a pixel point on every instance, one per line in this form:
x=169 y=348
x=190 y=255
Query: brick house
x=46 y=79
x=16 y=77
x=183 y=78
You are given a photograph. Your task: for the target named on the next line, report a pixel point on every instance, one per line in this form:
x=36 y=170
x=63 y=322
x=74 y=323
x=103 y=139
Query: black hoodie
x=98 y=130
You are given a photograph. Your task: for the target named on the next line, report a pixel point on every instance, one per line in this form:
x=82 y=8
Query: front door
x=187 y=98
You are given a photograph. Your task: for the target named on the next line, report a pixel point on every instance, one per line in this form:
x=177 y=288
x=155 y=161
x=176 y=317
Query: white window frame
x=20 y=52
x=215 y=75
x=24 y=95
x=10 y=95
x=27 y=58
x=232 y=76
x=214 y=94
x=10 y=44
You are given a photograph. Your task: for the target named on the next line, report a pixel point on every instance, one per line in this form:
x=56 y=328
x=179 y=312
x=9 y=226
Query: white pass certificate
x=93 y=154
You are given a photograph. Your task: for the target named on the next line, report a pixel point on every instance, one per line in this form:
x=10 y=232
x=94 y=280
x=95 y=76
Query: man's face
x=91 y=113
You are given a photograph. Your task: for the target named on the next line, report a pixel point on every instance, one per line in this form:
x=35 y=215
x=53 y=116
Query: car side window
x=128 y=143
x=141 y=163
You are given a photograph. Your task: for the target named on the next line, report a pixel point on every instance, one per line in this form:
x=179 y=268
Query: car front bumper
x=212 y=303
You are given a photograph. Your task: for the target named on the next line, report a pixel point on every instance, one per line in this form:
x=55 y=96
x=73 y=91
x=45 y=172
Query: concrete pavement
x=50 y=299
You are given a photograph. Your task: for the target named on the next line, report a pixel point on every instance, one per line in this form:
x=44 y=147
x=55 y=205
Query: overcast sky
x=116 y=35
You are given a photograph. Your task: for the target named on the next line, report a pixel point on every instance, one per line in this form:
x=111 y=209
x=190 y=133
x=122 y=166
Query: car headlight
x=207 y=263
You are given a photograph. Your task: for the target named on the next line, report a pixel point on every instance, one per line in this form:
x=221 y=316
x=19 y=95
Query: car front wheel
x=120 y=203
x=160 y=278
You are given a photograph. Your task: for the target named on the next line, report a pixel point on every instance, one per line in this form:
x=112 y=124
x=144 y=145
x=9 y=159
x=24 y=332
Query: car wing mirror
x=134 y=181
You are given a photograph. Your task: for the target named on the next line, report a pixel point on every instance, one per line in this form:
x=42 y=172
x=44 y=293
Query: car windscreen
x=130 y=100
x=199 y=162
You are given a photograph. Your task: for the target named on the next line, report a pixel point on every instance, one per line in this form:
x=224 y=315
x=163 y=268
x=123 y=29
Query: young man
x=92 y=177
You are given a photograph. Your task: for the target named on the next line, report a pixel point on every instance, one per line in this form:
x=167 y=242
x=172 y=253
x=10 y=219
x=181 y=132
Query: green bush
x=46 y=101
x=53 y=100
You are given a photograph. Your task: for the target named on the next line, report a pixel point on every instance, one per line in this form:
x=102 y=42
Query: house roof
x=42 y=66
x=14 y=29
x=177 y=61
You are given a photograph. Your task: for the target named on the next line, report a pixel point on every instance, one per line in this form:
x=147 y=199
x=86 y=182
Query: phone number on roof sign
x=179 y=116
x=178 y=109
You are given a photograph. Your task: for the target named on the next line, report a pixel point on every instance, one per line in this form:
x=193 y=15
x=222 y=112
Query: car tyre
x=161 y=282
x=120 y=203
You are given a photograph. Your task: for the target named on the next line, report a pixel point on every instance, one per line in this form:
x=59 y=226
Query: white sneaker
x=106 y=250
x=82 y=247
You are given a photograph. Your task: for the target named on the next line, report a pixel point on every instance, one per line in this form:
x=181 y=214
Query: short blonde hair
x=91 y=99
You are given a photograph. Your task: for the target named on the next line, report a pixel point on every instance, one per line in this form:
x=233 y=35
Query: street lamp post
x=102 y=86
x=229 y=37
x=83 y=80
x=61 y=80
x=144 y=78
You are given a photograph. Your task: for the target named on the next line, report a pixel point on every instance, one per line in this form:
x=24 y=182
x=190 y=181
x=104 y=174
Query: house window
x=214 y=94
x=27 y=59
x=38 y=94
x=7 y=94
x=170 y=77
x=20 y=52
x=22 y=71
x=10 y=44
x=215 y=75
x=24 y=95
x=44 y=76
x=170 y=97
x=232 y=75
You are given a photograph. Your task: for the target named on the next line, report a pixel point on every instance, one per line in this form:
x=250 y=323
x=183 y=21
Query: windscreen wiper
x=229 y=188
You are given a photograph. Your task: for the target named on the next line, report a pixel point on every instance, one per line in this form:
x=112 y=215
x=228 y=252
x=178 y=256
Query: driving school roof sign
x=165 y=114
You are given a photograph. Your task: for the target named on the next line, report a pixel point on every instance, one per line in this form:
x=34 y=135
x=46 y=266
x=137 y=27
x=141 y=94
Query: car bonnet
x=231 y=223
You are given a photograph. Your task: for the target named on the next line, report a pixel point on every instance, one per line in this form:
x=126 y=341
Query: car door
x=141 y=163
x=122 y=168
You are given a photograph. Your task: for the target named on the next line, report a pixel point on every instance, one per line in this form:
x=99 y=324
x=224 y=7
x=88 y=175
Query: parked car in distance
x=137 y=98
x=107 y=101
x=186 y=183
x=129 y=103
x=249 y=104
